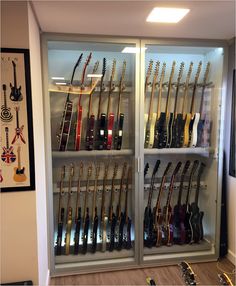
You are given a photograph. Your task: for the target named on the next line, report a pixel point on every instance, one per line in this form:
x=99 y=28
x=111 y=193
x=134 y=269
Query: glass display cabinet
x=134 y=151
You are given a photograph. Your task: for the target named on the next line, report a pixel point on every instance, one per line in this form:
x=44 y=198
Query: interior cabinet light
x=166 y=15
x=132 y=50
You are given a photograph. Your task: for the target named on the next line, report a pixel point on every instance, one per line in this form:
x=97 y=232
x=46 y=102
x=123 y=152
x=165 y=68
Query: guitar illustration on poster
x=19 y=173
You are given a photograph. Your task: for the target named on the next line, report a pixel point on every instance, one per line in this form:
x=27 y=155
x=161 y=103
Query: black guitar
x=196 y=216
x=148 y=214
x=186 y=207
x=128 y=222
x=16 y=94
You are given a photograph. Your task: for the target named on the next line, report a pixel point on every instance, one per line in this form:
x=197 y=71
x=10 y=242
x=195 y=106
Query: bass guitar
x=6 y=115
x=110 y=115
x=178 y=219
x=147 y=83
x=16 y=94
x=194 y=117
x=61 y=213
x=86 y=219
x=173 y=127
x=196 y=215
x=112 y=215
x=185 y=208
x=167 y=226
x=148 y=215
x=203 y=117
x=162 y=133
x=8 y=155
x=78 y=218
x=69 y=213
x=65 y=126
x=80 y=108
x=157 y=213
x=90 y=117
x=120 y=116
x=128 y=222
x=149 y=136
x=19 y=175
x=95 y=211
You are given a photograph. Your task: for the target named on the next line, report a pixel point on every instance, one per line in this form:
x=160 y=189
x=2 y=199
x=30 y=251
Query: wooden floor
x=169 y=275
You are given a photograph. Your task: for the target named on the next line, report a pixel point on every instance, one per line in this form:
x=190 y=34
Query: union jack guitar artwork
x=19 y=130
x=8 y=155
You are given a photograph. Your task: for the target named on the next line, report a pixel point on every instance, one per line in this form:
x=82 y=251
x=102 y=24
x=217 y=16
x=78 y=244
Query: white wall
x=231 y=181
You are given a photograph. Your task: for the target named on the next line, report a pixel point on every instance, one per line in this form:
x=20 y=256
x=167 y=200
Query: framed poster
x=16 y=138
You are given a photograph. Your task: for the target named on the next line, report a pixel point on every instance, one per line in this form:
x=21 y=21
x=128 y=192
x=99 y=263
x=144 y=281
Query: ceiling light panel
x=167 y=15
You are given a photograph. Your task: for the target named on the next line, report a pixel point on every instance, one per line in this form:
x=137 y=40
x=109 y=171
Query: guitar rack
x=129 y=91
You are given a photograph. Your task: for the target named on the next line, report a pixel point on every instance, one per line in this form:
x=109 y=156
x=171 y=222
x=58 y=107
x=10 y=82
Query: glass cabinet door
x=91 y=104
x=182 y=94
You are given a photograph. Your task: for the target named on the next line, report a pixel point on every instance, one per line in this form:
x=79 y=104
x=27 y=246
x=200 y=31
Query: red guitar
x=19 y=130
x=8 y=156
x=80 y=108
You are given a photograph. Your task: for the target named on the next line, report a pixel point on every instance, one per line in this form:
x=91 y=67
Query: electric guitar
x=8 y=155
x=149 y=136
x=148 y=215
x=128 y=222
x=120 y=116
x=156 y=131
x=119 y=214
x=225 y=280
x=65 y=125
x=157 y=213
x=61 y=213
x=101 y=118
x=19 y=130
x=80 y=108
x=94 y=211
x=16 y=94
x=110 y=115
x=104 y=217
x=182 y=120
x=86 y=219
x=163 y=121
x=91 y=117
x=19 y=175
x=203 y=119
x=173 y=127
x=178 y=219
x=185 y=209
x=69 y=213
x=6 y=115
x=167 y=211
x=78 y=219
x=112 y=216
x=147 y=83
x=196 y=215
x=194 y=117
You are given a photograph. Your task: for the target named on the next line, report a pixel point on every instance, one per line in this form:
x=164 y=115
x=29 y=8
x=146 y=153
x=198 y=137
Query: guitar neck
x=5 y=97
x=160 y=192
x=19 y=160
x=61 y=193
x=17 y=117
x=14 y=74
x=7 y=138
x=100 y=98
x=151 y=102
x=109 y=98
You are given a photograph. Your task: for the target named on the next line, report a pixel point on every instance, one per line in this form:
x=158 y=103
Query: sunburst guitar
x=19 y=173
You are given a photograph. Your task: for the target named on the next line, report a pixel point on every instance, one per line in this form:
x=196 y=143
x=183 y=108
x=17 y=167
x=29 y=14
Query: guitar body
x=16 y=94
x=119 y=133
x=59 y=232
x=148 y=227
x=195 y=224
x=147 y=134
x=110 y=124
x=176 y=225
x=193 y=133
x=65 y=126
x=200 y=132
x=112 y=233
x=178 y=132
x=19 y=175
x=187 y=226
x=6 y=115
x=121 y=232
x=78 y=128
x=94 y=234
x=182 y=212
x=68 y=231
x=201 y=225
x=101 y=125
x=128 y=243
x=167 y=227
x=160 y=139
x=85 y=233
x=90 y=133
x=77 y=233
x=158 y=227
x=104 y=233
x=186 y=129
x=8 y=155
x=170 y=123
x=152 y=130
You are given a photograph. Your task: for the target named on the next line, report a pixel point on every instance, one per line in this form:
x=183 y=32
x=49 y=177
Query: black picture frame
x=232 y=153
x=30 y=142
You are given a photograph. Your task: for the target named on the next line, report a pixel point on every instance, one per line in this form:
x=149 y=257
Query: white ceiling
x=206 y=20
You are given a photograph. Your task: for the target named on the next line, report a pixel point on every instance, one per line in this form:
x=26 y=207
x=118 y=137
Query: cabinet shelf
x=199 y=151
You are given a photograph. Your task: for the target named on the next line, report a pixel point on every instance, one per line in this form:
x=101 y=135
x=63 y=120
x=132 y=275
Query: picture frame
x=17 y=169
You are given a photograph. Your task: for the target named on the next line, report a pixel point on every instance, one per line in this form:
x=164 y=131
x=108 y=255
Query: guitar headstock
x=148 y=74
x=17 y=108
x=113 y=70
x=88 y=59
x=156 y=71
x=146 y=169
x=106 y=170
x=206 y=73
x=198 y=71
x=186 y=167
x=115 y=171
x=63 y=172
x=90 y=169
x=124 y=169
x=104 y=64
x=163 y=70
x=176 y=170
x=4 y=87
x=181 y=69
x=194 y=167
x=167 y=169
x=14 y=64
x=97 y=170
x=201 y=169
x=123 y=71
x=156 y=167
x=81 y=168
x=6 y=129
x=129 y=176
x=79 y=60
x=95 y=67
x=71 y=171
x=189 y=73
x=172 y=70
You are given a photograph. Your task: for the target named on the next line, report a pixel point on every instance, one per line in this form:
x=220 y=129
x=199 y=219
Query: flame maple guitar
x=80 y=108
x=8 y=155
x=65 y=126
x=16 y=94
x=19 y=175
x=6 y=115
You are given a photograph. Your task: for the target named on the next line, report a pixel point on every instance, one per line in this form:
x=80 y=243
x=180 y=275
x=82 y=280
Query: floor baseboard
x=231 y=256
